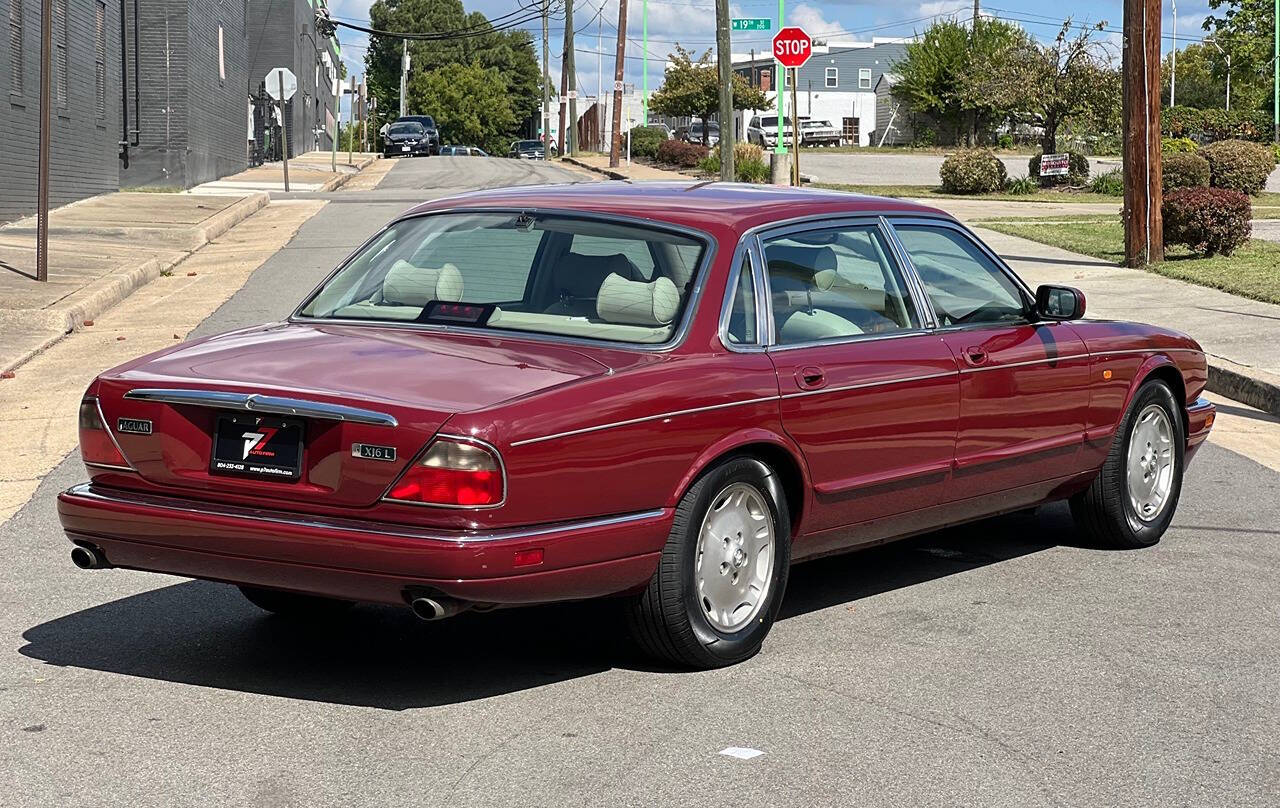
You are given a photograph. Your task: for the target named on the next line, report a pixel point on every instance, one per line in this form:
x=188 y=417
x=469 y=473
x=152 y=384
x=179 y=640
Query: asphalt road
x=999 y=664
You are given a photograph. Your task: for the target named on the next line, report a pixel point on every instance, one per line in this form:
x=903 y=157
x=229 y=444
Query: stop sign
x=792 y=47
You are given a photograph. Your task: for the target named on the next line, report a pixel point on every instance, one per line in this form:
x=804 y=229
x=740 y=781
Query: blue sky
x=692 y=24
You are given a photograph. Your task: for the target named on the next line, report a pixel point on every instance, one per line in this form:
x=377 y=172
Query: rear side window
x=835 y=283
x=742 y=312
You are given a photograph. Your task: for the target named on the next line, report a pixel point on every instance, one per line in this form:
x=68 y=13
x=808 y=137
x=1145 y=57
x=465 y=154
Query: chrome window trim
x=257 y=402
x=873 y=383
x=87 y=491
x=502 y=467
x=678 y=335
x=1048 y=360
x=809 y=223
x=641 y=419
x=743 y=250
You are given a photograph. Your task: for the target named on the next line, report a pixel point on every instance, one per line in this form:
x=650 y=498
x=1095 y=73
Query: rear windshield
x=543 y=273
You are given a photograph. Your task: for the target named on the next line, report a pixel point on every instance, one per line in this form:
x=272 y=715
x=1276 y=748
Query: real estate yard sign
x=1055 y=165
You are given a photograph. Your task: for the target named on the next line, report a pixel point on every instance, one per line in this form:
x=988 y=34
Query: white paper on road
x=741 y=752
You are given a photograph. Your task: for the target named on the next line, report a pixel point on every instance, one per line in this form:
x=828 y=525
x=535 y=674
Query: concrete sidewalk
x=100 y=250
x=599 y=163
x=313 y=171
x=1240 y=336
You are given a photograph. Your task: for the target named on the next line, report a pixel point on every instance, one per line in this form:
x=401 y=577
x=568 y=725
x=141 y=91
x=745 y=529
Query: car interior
x=575 y=277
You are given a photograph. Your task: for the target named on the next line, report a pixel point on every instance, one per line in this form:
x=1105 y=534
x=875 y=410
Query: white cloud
x=813 y=22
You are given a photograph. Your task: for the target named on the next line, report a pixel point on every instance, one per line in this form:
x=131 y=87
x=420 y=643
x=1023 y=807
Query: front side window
x=542 y=273
x=963 y=284
x=835 y=283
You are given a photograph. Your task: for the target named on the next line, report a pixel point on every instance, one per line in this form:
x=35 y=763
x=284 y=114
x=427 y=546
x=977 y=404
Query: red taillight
x=97 y=447
x=453 y=472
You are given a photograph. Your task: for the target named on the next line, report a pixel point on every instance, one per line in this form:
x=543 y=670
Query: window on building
x=60 y=57
x=833 y=77
x=849 y=131
x=766 y=80
x=100 y=55
x=15 y=46
x=864 y=78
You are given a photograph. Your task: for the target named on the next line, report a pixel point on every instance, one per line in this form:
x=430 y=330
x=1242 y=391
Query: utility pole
x=1275 y=68
x=1143 y=226
x=564 y=92
x=284 y=134
x=351 y=120
x=1173 y=54
x=724 y=58
x=615 y=145
x=600 y=74
x=644 y=82
x=404 y=74
x=546 y=84
x=42 y=180
x=570 y=142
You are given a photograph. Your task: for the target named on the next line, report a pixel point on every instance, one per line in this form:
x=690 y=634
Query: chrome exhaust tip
x=88 y=557
x=436 y=607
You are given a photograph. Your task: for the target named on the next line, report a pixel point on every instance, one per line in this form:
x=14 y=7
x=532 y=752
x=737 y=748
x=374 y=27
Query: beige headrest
x=408 y=285
x=636 y=302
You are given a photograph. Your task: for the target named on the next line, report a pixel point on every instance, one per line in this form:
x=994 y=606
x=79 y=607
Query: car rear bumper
x=363 y=561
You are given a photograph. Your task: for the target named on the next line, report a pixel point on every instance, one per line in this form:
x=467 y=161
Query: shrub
x=1178 y=145
x=1005 y=141
x=1021 y=186
x=1239 y=165
x=679 y=153
x=748 y=170
x=710 y=165
x=645 y=141
x=1077 y=170
x=1184 y=170
x=1110 y=183
x=744 y=152
x=1181 y=122
x=972 y=171
x=1208 y=220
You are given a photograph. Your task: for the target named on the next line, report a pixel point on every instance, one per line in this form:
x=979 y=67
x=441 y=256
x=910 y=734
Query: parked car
x=405 y=139
x=763 y=131
x=816 y=132
x=463 y=151
x=527 y=150
x=428 y=124
x=693 y=134
x=666 y=393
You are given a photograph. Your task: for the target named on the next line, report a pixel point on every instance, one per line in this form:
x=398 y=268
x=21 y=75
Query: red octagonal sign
x=792 y=47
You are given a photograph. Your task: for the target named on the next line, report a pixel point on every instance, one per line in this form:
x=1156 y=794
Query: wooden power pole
x=724 y=60
x=1143 y=194
x=615 y=146
x=544 y=123
x=569 y=144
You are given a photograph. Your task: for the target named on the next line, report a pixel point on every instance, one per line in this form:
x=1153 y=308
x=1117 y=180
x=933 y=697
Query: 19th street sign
x=750 y=24
x=792 y=47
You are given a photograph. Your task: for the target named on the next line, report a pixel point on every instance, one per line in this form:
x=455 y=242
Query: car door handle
x=975 y=355
x=810 y=378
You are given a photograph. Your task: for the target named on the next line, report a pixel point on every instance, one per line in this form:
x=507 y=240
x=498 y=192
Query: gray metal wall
x=276 y=40
x=83 y=154
x=193 y=117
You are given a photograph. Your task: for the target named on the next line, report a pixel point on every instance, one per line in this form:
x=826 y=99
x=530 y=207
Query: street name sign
x=792 y=47
x=273 y=82
x=750 y=24
x=1055 y=165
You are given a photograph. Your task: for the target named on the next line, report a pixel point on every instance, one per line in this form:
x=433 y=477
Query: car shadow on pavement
x=206 y=634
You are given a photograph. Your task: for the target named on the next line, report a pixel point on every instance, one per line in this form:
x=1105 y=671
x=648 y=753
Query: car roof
x=702 y=205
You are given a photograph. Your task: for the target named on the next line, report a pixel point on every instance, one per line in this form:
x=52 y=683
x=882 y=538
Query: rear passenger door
x=868 y=394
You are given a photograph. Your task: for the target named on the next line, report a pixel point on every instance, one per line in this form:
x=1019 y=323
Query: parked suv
x=429 y=125
x=763 y=131
x=405 y=139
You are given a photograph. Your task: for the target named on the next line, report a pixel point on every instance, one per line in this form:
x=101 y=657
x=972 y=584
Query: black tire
x=1103 y=511
x=294 y=604
x=667 y=620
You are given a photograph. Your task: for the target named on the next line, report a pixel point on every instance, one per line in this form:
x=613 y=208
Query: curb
x=608 y=172
x=1247 y=385
x=94 y=298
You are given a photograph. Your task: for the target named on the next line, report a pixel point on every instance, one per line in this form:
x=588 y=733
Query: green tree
x=692 y=88
x=1069 y=78
x=1244 y=29
x=1197 y=85
x=509 y=52
x=470 y=105
x=938 y=75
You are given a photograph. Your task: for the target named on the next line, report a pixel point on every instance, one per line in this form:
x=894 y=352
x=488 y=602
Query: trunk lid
x=417 y=378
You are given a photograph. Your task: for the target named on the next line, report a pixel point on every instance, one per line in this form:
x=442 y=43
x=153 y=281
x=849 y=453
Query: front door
x=870 y=397
x=1023 y=384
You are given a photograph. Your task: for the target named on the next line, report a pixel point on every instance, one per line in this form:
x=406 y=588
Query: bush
x=1239 y=165
x=972 y=171
x=1110 y=183
x=1077 y=170
x=744 y=152
x=1005 y=141
x=1184 y=170
x=752 y=170
x=1181 y=122
x=679 y=153
x=1178 y=145
x=1208 y=220
x=748 y=170
x=1217 y=124
x=1021 y=186
x=645 y=141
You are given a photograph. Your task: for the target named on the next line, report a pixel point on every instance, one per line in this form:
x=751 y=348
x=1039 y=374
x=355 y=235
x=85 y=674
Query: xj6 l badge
x=369 y=451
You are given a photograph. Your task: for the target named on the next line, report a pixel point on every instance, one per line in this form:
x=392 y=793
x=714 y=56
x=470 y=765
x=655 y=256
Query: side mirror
x=1059 y=303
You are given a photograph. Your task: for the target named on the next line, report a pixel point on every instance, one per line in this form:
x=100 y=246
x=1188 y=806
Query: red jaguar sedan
x=667 y=393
